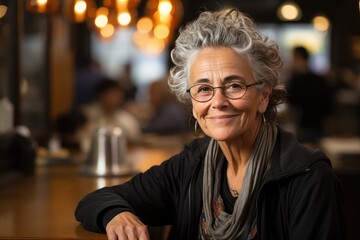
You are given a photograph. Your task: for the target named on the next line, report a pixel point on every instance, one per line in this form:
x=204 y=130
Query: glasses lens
x=201 y=92
x=235 y=90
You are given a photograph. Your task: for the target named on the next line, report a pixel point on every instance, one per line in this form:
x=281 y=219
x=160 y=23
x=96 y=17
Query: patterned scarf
x=217 y=223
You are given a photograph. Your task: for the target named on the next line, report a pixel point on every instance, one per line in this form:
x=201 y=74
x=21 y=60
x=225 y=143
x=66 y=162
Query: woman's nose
x=219 y=99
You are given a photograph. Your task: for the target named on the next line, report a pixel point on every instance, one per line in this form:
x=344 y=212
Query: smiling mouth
x=222 y=117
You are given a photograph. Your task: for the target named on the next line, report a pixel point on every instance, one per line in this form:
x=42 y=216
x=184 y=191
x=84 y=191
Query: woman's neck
x=237 y=152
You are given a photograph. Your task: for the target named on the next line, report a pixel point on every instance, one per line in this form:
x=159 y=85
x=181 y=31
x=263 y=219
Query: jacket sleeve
x=152 y=196
x=316 y=206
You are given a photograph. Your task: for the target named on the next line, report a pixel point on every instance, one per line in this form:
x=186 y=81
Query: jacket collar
x=290 y=157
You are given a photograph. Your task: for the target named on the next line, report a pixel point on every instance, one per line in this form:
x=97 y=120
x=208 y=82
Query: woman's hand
x=126 y=226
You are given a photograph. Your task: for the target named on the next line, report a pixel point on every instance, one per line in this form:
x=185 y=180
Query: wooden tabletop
x=41 y=206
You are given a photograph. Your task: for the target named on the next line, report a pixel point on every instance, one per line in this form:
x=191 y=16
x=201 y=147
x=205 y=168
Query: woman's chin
x=221 y=136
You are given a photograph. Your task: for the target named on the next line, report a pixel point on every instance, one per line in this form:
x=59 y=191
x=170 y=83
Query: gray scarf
x=237 y=225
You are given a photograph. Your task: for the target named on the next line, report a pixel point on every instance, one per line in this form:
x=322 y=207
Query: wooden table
x=41 y=206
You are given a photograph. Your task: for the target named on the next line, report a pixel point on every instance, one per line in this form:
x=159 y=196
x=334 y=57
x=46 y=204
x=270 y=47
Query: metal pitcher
x=107 y=155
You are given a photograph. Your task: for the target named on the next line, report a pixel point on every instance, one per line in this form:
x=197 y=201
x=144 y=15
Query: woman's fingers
x=126 y=226
x=111 y=235
x=144 y=235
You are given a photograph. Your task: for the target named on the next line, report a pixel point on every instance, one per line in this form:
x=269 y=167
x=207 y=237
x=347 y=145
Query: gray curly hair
x=233 y=29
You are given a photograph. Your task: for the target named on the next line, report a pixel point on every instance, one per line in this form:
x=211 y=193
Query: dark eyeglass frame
x=246 y=86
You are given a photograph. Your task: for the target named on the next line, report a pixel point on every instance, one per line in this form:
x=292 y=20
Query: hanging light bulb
x=42 y=6
x=124 y=18
x=321 y=23
x=101 y=19
x=165 y=7
x=289 y=11
x=78 y=10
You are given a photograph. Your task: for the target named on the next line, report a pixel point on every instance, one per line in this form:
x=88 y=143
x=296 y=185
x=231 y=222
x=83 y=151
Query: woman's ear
x=264 y=99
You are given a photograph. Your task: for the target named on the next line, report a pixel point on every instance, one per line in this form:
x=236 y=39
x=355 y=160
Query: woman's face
x=222 y=118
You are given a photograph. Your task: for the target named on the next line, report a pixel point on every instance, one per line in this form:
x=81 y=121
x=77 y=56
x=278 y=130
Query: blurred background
x=54 y=55
x=52 y=52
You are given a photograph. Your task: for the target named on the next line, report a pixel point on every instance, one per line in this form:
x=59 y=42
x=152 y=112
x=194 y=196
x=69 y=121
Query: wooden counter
x=42 y=206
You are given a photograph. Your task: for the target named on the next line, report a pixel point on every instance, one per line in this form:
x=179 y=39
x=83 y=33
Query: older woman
x=245 y=179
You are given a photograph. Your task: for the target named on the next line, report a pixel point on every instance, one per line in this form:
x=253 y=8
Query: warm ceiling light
x=122 y=12
x=101 y=19
x=79 y=10
x=161 y=31
x=41 y=3
x=42 y=6
x=107 y=31
x=3 y=10
x=102 y=11
x=80 y=7
x=165 y=7
x=289 y=11
x=120 y=4
x=124 y=18
x=321 y=23
x=144 y=25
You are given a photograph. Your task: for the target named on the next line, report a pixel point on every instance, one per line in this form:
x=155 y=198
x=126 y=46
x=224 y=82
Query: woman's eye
x=204 y=89
x=235 y=86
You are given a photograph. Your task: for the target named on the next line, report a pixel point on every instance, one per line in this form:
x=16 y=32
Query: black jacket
x=301 y=198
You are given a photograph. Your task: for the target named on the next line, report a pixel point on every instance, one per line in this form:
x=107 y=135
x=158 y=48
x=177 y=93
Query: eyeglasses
x=203 y=92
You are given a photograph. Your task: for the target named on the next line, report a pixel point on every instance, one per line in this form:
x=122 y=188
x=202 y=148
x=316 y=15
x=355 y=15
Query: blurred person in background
x=108 y=111
x=87 y=77
x=130 y=89
x=69 y=128
x=247 y=178
x=310 y=97
x=168 y=115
